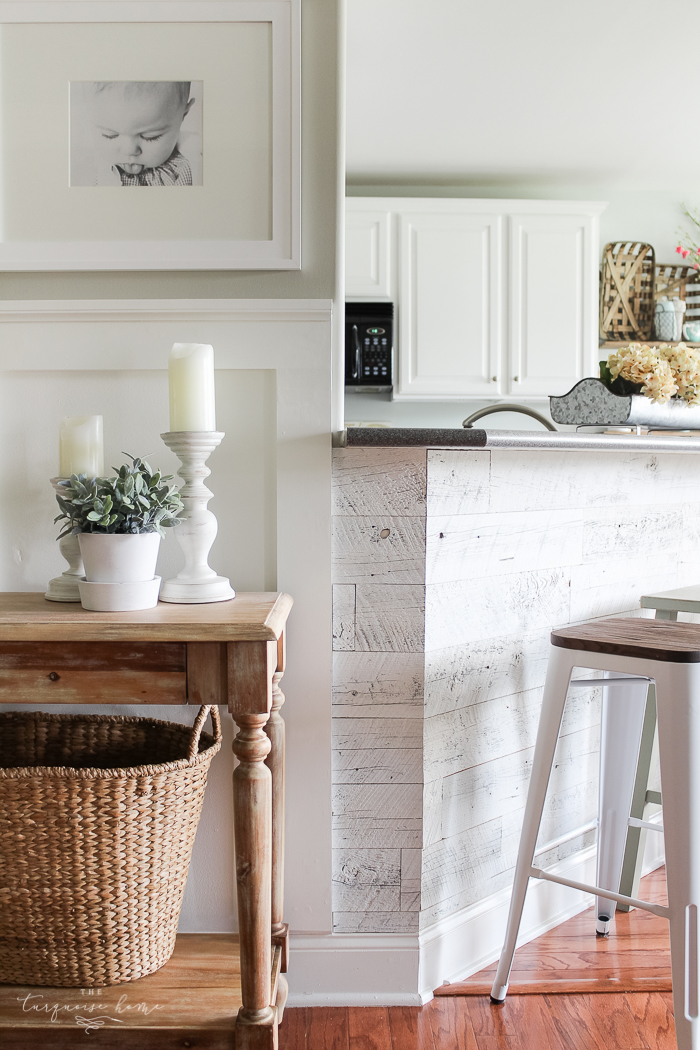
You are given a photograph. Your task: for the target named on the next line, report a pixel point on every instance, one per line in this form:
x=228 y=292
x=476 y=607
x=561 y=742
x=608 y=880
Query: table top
x=682 y=599
x=251 y=617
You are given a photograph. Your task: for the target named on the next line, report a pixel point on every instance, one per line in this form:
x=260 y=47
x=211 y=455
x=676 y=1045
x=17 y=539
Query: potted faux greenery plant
x=119 y=522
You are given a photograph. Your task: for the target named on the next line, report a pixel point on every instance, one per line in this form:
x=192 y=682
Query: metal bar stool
x=666 y=605
x=668 y=654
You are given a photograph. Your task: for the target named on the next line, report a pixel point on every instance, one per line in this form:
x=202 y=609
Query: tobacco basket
x=627 y=292
x=98 y=815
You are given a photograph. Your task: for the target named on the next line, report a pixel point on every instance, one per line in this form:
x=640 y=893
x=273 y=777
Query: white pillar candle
x=80 y=448
x=191 y=382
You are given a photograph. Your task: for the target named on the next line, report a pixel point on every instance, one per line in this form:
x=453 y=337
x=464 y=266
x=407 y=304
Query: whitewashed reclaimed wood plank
x=477 y=886
x=384 y=832
x=464 y=547
x=461 y=739
x=390 y=618
x=394 y=711
x=377 y=800
x=690 y=541
x=382 y=549
x=614 y=586
x=361 y=679
x=410 y=879
x=482 y=793
x=366 y=898
x=458 y=481
x=379 y=480
x=390 y=765
x=624 y=532
x=367 y=867
x=377 y=733
x=432 y=810
x=483 y=670
x=491 y=607
x=375 y=922
x=410 y=900
x=470 y=858
x=562 y=480
x=344 y=600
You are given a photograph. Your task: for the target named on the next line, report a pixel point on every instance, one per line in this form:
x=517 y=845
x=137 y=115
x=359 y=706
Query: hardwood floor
x=542 y=1014
x=635 y=957
x=620 y=1021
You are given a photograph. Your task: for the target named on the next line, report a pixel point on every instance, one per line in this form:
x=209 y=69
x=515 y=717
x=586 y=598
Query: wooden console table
x=218 y=992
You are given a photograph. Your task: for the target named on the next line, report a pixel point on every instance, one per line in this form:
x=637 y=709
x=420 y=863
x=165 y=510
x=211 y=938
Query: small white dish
x=119 y=597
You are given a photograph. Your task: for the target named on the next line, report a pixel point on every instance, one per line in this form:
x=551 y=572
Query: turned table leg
x=275 y=763
x=251 y=666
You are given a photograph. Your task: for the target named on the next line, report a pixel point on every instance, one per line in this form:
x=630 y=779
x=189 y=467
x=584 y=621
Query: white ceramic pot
x=119 y=597
x=116 y=558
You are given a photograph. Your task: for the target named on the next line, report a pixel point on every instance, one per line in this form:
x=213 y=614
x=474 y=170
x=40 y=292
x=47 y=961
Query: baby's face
x=138 y=130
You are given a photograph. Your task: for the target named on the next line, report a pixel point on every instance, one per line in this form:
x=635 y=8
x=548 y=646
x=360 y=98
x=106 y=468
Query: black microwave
x=369 y=344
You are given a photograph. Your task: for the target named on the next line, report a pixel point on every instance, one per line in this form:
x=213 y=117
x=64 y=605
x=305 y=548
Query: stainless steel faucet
x=505 y=407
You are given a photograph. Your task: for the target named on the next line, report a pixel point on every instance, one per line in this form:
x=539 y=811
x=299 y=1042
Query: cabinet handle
x=494 y=379
x=515 y=379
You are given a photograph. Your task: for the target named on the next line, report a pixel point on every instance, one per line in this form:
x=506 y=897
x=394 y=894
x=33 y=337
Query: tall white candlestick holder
x=64 y=588
x=196 y=582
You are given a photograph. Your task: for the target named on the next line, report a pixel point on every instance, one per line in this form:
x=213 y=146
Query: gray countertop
x=395 y=437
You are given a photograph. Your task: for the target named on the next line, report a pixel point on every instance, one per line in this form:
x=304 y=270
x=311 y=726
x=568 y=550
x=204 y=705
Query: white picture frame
x=245 y=215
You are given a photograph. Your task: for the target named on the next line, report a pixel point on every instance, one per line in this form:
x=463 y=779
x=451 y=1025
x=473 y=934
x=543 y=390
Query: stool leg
x=555 y=689
x=636 y=837
x=620 y=736
x=678 y=712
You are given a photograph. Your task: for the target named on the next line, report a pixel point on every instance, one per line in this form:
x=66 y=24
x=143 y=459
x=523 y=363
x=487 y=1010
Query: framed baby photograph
x=150 y=136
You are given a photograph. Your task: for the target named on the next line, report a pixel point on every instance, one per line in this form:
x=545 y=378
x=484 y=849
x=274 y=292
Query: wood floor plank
x=327 y=1028
x=497 y=1042
x=653 y=1019
x=574 y=984
x=615 y=1022
x=451 y=1024
x=368 y=1028
x=292 y=1031
x=531 y=1016
x=575 y=1022
x=410 y=1028
x=490 y=1020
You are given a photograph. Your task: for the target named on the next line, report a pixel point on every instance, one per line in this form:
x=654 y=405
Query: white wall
x=542 y=100
x=271 y=480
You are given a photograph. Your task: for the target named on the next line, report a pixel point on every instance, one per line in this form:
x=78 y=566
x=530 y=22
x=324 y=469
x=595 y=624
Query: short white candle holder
x=196 y=582
x=64 y=588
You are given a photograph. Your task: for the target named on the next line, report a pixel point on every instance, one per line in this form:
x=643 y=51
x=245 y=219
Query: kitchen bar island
x=454 y=555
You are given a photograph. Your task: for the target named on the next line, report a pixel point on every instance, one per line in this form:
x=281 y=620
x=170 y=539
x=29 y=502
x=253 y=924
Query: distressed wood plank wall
x=450 y=569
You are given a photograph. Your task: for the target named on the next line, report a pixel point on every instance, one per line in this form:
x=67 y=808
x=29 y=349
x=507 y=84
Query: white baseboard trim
x=371 y=969
x=353 y=969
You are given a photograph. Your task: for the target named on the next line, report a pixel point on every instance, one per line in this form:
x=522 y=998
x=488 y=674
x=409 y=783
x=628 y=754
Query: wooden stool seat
x=640 y=639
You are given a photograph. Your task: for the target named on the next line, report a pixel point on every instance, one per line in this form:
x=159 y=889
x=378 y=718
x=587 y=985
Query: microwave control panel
x=369 y=344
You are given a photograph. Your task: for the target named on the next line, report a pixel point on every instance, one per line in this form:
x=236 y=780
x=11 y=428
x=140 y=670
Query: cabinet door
x=449 y=305
x=367 y=253
x=553 y=302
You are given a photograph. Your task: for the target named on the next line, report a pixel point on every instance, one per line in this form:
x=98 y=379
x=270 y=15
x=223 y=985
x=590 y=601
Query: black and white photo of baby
x=136 y=133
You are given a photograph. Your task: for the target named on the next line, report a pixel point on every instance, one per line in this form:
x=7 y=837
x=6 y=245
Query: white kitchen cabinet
x=368 y=254
x=494 y=298
x=449 y=312
x=553 y=314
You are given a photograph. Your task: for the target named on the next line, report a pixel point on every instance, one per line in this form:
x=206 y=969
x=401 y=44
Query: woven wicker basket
x=97 y=820
x=627 y=291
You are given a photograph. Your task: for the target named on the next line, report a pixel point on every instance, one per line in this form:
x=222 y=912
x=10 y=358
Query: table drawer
x=93 y=673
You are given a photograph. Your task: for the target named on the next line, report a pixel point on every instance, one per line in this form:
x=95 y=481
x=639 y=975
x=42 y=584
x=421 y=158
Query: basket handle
x=197 y=728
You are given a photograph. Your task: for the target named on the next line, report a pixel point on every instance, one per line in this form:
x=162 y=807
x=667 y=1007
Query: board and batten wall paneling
x=485 y=552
